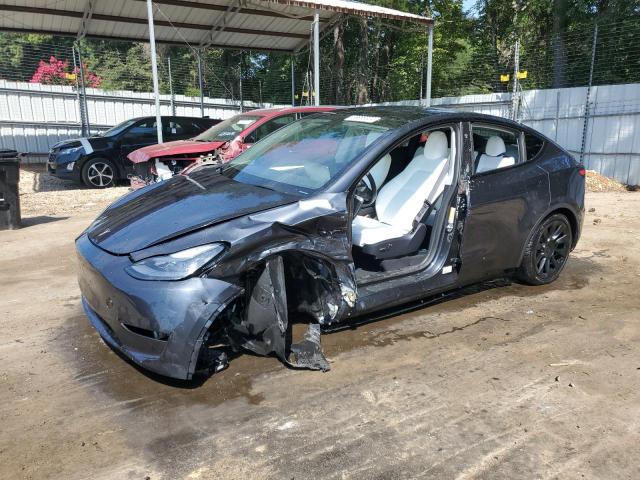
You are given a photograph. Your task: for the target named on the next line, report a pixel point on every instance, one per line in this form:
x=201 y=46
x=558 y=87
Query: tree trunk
x=362 y=92
x=375 y=84
x=558 y=43
x=338 y=64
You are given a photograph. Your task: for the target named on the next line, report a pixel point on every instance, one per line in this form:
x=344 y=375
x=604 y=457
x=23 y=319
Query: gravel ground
x=599 y=183
x=502 y=383
x=43 y=195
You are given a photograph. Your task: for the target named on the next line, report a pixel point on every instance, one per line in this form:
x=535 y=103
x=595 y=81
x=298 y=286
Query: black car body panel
x=67 y=158
x=174 y=208
x=158 y=328
x=289 y=258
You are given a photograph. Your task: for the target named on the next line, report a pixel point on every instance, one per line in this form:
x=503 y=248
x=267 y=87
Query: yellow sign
x=522 y=74
x=504 y=78
x=70 y=76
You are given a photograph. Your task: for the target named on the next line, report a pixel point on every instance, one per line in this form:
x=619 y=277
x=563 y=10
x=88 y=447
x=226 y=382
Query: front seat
x=380 y=170
x=396 y=232
x=494 y=156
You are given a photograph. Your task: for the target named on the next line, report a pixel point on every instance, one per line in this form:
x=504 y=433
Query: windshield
x=227 y=130
x=119 y=128
x=306 y=155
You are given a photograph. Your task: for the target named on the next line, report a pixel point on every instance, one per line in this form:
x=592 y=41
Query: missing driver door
x=417 y=165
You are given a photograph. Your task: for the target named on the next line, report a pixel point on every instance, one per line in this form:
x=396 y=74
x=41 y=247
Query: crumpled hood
x=179 y=147
x=177 y=206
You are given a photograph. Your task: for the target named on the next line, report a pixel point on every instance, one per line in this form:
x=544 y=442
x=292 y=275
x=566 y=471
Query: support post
x=293 y=82
x=154 y=69
x=173 y=98
x=80 y=93
x=200 y=83
x=429 y=66
x=585 y=125
x=316 y=57
x=516 y=70
x=240 y=83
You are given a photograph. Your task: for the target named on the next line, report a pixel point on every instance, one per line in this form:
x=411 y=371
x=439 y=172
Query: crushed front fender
x=158 y=325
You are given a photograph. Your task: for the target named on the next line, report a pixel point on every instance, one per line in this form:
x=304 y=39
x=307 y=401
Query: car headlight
x=70 y=150
x=175 y=266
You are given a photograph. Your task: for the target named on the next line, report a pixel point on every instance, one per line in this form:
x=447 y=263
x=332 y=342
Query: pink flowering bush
x=56 y=72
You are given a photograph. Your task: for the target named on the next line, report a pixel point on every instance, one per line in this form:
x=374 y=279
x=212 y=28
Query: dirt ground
x=504 y=382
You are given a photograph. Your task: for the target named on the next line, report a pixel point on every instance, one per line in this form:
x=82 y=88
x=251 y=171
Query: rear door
x=504 y=202
x=176 y=128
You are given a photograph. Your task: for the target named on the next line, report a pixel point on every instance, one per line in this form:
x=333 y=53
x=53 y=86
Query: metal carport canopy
x=267 y=25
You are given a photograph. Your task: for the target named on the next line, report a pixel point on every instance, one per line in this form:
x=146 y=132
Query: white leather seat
x=380 y=170
x=400 y=200
x=494 y=156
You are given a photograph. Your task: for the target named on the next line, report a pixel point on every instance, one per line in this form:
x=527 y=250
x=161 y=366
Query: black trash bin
x=9 y=194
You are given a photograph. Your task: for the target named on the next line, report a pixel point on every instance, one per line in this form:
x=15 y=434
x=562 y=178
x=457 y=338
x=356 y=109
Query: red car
x=219 y=144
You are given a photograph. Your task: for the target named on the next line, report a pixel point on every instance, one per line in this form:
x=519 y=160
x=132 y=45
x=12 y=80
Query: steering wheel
x=363 y=191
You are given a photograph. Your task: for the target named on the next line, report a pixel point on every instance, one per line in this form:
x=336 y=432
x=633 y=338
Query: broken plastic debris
x=308 y=352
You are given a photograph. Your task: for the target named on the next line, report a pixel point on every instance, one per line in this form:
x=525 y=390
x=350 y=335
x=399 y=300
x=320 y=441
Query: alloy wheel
x=100 y=174
x=552 y=249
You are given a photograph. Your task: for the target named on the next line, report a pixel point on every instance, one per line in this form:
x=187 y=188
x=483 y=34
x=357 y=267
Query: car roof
x=415 y=113
x=170 y=116
x=272 y=112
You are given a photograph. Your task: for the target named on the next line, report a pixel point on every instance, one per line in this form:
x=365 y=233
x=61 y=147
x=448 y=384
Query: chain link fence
x=353 y=70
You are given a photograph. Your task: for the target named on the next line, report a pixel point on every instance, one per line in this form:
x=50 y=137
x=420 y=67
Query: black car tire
x=99 y=173
x=547 y=251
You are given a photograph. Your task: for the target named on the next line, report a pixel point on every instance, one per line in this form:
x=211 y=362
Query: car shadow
x=39 y=220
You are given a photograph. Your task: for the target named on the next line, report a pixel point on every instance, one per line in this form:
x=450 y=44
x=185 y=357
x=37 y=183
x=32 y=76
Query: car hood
x=179 y=147
x=89 y=143
x=169 y=209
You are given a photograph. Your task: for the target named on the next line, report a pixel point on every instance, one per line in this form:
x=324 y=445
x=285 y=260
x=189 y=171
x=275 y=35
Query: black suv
x=101 y=161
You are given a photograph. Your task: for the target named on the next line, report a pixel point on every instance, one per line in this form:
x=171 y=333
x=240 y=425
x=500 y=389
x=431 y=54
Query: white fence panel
x=33 y=117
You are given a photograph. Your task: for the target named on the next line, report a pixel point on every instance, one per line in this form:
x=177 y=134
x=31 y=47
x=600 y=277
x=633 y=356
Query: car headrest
x=436 y=146
x=371 y=137
x=495 y=147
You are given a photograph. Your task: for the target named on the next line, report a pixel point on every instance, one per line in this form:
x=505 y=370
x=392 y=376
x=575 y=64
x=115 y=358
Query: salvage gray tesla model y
x=323 y=222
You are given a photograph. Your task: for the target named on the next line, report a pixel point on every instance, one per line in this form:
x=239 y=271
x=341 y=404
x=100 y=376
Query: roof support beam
x=86 y=19
x=142 y=21
x=132 y=39
x=222 y=8
x=221 y=24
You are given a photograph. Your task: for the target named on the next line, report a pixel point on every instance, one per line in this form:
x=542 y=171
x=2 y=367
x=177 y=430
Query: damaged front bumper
x=159 y=325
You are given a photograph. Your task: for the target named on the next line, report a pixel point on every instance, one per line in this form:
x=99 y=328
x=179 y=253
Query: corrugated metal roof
x=247 y=24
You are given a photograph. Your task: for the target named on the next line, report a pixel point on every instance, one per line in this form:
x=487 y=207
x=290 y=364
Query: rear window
x=229 y=129
x=534 y=145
